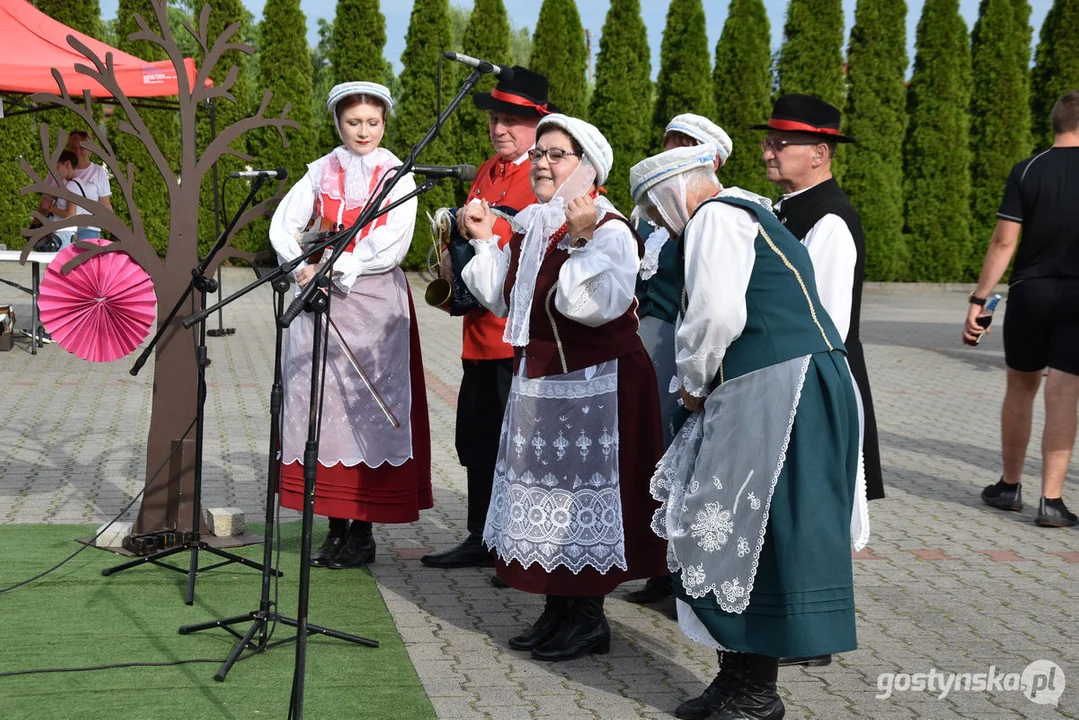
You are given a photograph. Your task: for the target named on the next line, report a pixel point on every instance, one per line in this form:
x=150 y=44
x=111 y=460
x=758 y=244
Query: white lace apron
x=556 y=499
x=715 y=482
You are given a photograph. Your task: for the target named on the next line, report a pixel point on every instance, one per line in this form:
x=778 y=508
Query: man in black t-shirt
x=1041 y=199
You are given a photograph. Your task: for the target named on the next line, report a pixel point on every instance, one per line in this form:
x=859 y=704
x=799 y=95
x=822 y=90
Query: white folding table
x=35 y=260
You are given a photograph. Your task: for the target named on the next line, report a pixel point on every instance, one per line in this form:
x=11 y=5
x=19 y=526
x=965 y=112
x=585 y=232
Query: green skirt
x=802 y=602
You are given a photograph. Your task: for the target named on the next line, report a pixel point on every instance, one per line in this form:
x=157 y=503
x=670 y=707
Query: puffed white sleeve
x=292 y=215
x=385 y=247
x=597 y=283
x=485 y=274
x=831 y=248
x=719 y=261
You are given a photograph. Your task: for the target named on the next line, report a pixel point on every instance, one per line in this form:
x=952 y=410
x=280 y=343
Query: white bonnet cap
x=595 y=146
x=703 y=131
x=339 y=92
x=653 y=170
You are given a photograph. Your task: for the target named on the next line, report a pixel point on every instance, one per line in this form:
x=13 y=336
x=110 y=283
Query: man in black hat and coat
x=803 y=133
x=514 y=107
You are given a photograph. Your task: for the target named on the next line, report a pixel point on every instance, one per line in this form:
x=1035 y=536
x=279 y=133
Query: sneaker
x=1052 y=512
x=1004 y=496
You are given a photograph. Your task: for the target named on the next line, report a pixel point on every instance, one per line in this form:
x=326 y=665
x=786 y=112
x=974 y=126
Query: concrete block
x=225 y=521
x=113 y=537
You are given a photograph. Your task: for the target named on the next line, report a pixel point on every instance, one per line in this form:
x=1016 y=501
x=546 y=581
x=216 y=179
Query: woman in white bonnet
x=570 y=507
x=368 y=471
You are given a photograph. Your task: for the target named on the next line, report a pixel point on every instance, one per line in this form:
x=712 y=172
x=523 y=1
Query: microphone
x=279 y=173
x=457 y=172
x=503 y=72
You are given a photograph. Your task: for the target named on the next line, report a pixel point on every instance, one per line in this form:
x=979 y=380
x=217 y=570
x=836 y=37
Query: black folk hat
x=805 y=114
x=523 y=94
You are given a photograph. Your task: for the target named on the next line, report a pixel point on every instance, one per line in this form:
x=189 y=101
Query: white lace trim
x=653 y=245
x=359 y=170
x=548 y=387
x=737 y=192
x=585 y=295
x=859 y=521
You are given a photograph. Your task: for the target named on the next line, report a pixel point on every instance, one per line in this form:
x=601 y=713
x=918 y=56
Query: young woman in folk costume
x=368 y=471
x=570 y=510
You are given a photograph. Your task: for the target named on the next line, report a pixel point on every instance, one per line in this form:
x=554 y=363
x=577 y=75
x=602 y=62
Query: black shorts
x=1041 y=325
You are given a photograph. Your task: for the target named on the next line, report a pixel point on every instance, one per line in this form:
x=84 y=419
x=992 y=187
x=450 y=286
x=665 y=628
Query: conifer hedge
x=743 y=92
x=151 y=193
x=876 y=116
x=999 y=116
x=684 y=84
x=937 y=149
x=559 y=52
x=429 y=33
x=1056 y=67
x=811 y=57
x=621 y=101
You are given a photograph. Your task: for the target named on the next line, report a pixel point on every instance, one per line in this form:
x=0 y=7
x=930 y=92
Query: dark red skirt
x=385 y=494
x=640 y=446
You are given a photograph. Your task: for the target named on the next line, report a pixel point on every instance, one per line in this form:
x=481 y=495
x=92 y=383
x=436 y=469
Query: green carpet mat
x=77 y=617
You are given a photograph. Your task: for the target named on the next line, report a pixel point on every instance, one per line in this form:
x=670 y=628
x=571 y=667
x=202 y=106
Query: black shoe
x=357 y=552
x=809 y=661
x=328 y=550
x=470 y=553
x=556 y=609
x=1052 y=512
x=720 y=692
x=585 y=631
x=757 y=697
x=1004 y=496
x=499 y=582
x=654 y=590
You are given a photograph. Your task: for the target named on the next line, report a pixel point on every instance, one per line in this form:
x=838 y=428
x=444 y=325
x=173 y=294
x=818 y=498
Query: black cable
x=123 y=512
x=91 y=668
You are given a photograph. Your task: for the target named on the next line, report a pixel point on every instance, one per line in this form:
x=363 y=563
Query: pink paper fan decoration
x=101 y=310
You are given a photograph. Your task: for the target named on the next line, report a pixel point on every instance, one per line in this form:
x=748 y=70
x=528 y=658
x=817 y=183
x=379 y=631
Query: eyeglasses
x=554 y=155
x=777 y=145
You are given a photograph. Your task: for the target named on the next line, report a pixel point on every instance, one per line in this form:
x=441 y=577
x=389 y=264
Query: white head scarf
x=659 y=182
x=539 y=221
x=703 y=131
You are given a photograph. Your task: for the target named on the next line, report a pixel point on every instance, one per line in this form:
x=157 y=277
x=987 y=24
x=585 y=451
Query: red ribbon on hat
x=795 y=126
x=518 y=100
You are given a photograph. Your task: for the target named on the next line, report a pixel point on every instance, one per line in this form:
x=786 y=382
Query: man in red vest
x=514 y=108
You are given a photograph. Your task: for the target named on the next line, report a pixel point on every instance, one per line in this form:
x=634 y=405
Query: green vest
x=658 y=296
x=784 y=317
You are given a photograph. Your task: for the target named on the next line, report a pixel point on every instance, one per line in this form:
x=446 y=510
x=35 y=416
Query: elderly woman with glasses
x=570 y=509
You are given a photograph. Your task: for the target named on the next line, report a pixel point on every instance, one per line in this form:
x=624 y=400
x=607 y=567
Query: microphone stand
x=314 y=300
x=192 y=540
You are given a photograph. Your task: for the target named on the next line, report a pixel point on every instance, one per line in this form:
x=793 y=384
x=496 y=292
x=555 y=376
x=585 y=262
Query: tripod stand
x=193 y=541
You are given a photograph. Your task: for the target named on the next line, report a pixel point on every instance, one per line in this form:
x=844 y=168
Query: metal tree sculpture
x=175 y=376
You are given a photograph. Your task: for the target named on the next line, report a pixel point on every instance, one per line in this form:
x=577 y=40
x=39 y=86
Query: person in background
x=1042 y=321
x=513 y=108
x=56 y=208
x=94 y=179
x=368 y=471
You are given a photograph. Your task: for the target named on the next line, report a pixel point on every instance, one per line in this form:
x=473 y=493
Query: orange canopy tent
x=32 y=44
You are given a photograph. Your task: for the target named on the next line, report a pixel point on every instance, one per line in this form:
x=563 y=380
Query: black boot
x=1052 y=512
x=359 y=550
x=586 y=631
x=757 y=697
x=654 y=590
x=332 y=544
x=1004 y=496
x=470 y=553
x=719 y=693
x=556 y=610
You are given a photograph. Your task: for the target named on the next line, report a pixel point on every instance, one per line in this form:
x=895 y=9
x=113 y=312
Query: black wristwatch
x=975 y=300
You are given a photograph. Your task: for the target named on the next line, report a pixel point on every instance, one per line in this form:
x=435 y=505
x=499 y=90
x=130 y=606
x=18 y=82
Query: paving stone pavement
x=946 y=584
